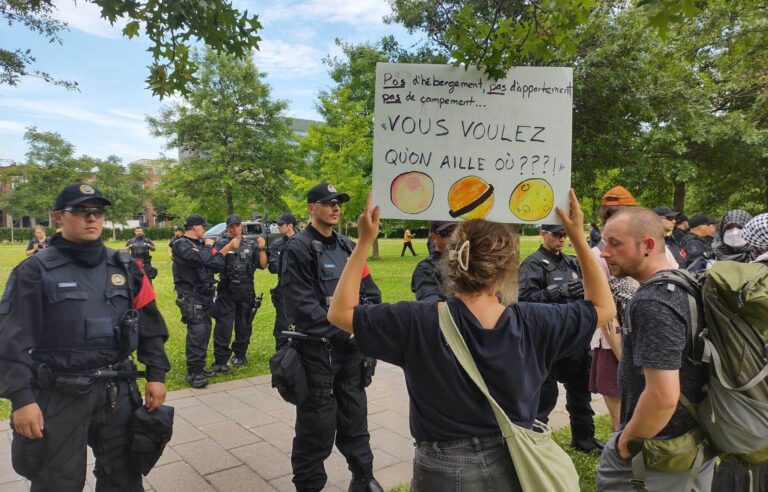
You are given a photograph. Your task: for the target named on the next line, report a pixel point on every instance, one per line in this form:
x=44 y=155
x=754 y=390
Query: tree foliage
x=51 y=165
x=235 y=142
x=170 y=25
x=670 y=99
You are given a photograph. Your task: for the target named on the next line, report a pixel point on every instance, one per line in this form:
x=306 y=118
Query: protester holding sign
x=514 y=348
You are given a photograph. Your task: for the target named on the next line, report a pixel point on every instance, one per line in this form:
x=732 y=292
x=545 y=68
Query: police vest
x=81 y=306
x=191 y=277
x=331 y=259
x=140 y=248
x=557 y=272
x=238 y=266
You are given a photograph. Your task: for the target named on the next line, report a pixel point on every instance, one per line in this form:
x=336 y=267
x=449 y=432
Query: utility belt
x=191 y=309
x=45 y=377
x=290 y=378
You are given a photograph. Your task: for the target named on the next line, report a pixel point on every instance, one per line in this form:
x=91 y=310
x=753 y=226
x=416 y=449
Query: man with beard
x=656 y=365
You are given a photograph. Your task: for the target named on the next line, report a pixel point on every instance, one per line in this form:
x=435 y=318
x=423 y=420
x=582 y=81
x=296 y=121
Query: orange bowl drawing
x=412 y=192
x=532 y=199
x=470 y=197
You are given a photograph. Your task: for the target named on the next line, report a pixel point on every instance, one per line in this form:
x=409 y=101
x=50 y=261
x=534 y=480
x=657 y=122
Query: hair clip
x=463 y=259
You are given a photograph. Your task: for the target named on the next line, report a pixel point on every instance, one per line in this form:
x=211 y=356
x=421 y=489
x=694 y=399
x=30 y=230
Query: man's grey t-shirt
x=660 y=321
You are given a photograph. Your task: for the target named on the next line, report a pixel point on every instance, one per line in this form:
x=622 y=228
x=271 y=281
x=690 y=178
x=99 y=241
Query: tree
x=123 y=187
x=235 y=141
x=51 y=165
x=169 y=25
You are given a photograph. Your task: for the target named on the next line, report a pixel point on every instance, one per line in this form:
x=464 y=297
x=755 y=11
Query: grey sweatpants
x=614 y=473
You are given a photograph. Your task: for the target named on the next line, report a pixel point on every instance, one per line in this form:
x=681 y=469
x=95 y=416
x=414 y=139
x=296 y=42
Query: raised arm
x=347 y=293
x=596 y=288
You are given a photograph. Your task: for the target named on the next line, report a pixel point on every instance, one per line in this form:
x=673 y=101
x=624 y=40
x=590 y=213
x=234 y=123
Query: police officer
x=667 y=217
x=194 y=263
x=549 y=275
x=427 y=280
x=286 y=225
x=140 y=246
x=236 y=302
x=177 y=233
x=337 y=374
x=70 y=318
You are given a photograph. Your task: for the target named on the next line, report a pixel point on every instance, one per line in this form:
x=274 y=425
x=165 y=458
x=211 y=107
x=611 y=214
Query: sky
x=107 y=116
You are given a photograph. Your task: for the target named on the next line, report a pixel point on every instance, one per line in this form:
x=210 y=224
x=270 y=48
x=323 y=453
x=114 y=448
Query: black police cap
x=234 y=219
x=441 y=225
x=324 y=192
x=194 y=220
x=286 y=219
x=76 y=194
x=666 y=212
x=553 y=228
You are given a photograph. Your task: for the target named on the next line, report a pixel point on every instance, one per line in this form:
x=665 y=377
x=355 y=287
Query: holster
x=367 y=370
x=150 y=432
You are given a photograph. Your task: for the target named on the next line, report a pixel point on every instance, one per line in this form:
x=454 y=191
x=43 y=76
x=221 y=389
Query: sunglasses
x=559 y=235
x=97 y=212
x=330 y=203
x=446 y=233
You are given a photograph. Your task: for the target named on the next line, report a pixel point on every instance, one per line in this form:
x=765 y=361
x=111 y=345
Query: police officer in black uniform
x=70 y=318
x=427 y=280
x=178 y=231
x=286 y=224
x=549 y=275
x=140 y=246
x=667 y=217
x=337 y=372
x=194 y=263
x=236 y=302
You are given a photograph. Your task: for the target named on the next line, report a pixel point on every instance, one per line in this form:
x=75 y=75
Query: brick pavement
x=236 y=436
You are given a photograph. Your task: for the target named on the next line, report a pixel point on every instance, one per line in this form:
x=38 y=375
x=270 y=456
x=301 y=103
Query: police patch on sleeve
x=118 y=279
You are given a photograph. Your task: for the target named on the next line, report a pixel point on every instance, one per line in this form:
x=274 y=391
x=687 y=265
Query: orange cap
x=618 y=195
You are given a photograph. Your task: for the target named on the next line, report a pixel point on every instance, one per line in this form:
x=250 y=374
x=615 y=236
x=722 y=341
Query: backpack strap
x=710 y=353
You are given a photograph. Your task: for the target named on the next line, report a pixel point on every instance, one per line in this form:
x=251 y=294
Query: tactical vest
x=81 y=306
x=331 y=259
x=239 y=268
x=557 y=273
x=140 y=249
x=188 y=277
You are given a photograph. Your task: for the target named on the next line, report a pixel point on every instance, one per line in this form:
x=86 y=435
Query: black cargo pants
x=73 y=419
x=198 y=321
x=233 y=307
x=573 y=372
x=337 y=409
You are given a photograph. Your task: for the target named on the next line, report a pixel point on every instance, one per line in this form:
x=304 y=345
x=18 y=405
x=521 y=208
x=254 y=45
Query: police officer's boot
x=364 y=485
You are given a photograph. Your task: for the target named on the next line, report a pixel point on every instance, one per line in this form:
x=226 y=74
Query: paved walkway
x=236 y=436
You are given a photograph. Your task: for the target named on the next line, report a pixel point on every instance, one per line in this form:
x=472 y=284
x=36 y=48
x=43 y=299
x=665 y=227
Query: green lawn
x=392 y=273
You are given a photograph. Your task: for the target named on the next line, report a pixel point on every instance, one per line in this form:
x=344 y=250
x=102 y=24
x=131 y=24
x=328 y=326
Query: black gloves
x=571 y=290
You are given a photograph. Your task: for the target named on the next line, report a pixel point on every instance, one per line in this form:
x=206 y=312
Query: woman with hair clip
x=459 y=444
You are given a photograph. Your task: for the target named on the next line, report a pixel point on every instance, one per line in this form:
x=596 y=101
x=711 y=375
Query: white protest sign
x=449 y=143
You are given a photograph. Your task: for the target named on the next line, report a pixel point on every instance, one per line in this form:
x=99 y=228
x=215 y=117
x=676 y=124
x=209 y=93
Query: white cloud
x=86 y=17
x=279 y=58
x=356 y=13
x=127 y=114
x=74 y=112
x=12 y=127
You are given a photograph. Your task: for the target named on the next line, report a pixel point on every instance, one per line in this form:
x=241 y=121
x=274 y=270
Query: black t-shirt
x=514 y=359
x=659 y=339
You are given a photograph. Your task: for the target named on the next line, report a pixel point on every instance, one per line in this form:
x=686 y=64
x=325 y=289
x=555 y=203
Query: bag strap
x=710 y=353
x=461 y=351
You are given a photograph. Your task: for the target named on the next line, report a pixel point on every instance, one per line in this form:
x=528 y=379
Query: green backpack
x=729 y=313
